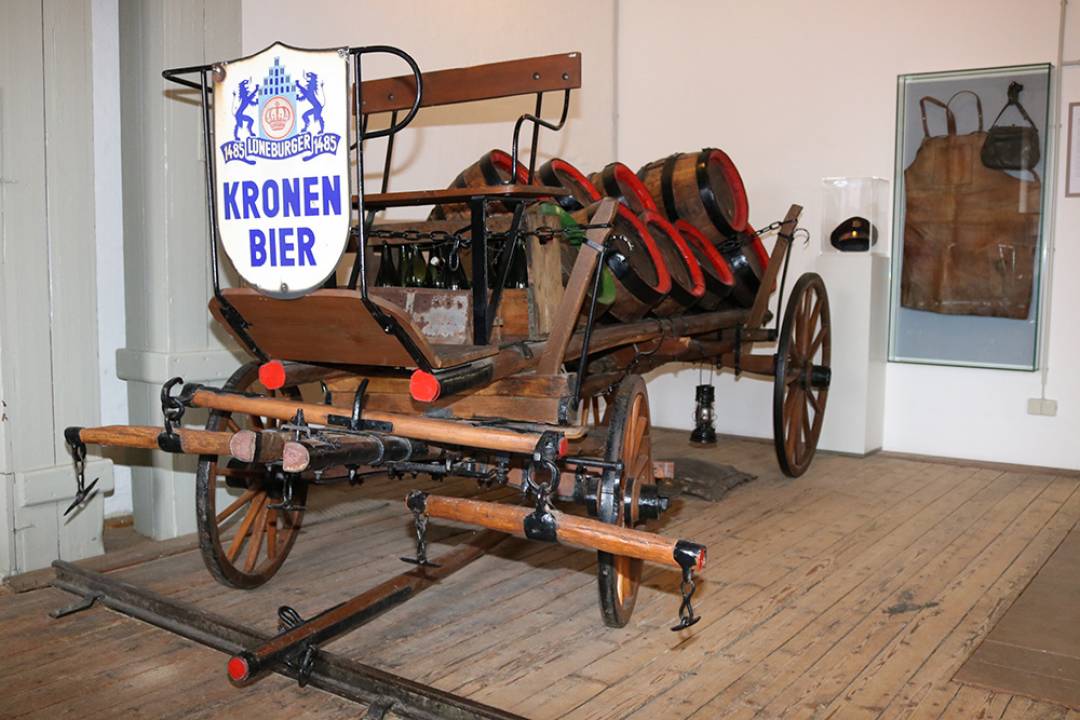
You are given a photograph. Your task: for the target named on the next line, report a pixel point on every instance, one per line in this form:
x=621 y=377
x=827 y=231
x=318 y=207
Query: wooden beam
x=577 y=288
x=783 y=241
x=480 y=82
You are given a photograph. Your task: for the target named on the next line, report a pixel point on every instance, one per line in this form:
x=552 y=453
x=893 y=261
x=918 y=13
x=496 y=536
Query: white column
x=166 y=258
x=48 y=324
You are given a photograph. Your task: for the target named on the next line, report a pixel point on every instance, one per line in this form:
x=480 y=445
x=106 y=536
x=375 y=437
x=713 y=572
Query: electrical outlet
x=1042 y=406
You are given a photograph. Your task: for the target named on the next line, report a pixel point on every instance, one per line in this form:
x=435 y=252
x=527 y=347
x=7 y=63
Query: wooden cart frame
x=505 y=403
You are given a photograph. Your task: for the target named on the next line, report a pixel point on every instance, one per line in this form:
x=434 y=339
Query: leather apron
x=970 y=232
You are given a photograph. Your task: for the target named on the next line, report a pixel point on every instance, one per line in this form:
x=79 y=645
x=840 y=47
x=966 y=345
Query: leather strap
x=950 y=119
x=978 y=103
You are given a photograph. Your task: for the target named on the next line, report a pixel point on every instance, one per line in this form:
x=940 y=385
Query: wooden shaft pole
x=570 y=529
x=261 y=447
x=196 y=442
x=783 y=241
x=576 y=289
x=349 y=450
x=447 y=432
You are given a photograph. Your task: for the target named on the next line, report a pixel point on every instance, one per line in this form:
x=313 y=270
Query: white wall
x=799 y=91
x=442 y=141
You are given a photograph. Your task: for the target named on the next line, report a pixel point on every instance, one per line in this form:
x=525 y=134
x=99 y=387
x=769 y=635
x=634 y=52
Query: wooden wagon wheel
x=801 y=383
x=244 y=543
x=617 y=498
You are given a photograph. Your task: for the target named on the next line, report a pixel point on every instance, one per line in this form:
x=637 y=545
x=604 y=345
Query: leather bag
x=1012 y=147
x=970 y=232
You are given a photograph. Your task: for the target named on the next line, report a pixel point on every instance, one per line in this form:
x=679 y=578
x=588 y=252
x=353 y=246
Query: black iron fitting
x=820 y=376
x=541 y=525
x=416 y=501
x=547 y=447
x=170 y=442
x=687 y=554
x=651 y=504
x=71 y=436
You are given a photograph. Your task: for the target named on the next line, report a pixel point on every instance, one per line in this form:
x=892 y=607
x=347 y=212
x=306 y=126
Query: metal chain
x=82 y=490
x=421 y=539
x=420 y=521
x=686 y=609
x=462 y=238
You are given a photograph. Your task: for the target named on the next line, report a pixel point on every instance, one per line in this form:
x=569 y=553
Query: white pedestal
x=858 y=285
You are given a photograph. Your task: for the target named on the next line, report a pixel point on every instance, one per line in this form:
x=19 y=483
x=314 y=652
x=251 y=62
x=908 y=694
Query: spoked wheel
x=801 y=384
x=617 y=499
x=245 y=542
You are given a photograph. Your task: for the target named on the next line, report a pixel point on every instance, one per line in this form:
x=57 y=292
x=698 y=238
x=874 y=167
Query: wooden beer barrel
x=719 y=281
x=493 y=168
x=703 y=188
x=619 y=181
x=559 y=173
x=642 y=280
x=747 y=257
x=687 y=280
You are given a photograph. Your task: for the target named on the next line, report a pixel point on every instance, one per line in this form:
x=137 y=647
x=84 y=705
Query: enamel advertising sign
x=282 y=166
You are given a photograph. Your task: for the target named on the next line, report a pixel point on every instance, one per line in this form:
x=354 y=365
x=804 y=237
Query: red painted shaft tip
x=272 y=374
x=238 y=669
x=564 y=446
x=424 y=387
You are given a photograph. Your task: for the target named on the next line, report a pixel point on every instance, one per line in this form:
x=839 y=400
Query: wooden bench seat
x=334 y=327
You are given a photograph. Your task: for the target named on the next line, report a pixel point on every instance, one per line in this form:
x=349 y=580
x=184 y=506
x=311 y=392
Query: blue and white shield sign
x=282 y=164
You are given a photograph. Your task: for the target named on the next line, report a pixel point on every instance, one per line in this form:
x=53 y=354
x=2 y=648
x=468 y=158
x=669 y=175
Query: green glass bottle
x=456 y=279
x=417 y=269
x=405 y=265
x=388 y=272
x=436 y=269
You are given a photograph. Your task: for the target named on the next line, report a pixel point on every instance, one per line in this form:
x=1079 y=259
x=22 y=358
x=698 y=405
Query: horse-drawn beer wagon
x=503 y=338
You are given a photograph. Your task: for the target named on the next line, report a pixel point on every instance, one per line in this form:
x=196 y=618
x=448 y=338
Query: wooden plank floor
x=855 y=591
x=1034 y=649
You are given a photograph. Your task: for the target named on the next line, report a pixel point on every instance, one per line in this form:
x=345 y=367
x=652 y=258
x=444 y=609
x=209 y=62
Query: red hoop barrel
x=747 y=257
x=559 y=173
x=619 y=181
x=687 y=280
x=493 y=168
x=642 y=280
x=719 y=281
x=703 y=188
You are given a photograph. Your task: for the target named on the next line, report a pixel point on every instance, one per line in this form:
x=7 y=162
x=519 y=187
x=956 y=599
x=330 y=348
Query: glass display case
x=853 y=214
x=968 y=217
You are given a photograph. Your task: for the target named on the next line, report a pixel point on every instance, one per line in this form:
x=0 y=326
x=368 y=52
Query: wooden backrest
x=480 y=82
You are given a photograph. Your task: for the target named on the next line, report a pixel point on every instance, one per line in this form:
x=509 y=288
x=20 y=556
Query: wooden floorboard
x=855 y=591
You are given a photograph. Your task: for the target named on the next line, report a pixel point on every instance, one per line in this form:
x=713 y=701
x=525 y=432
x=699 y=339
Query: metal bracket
x=85 y=603
x=541 y=525
x=356 y=421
